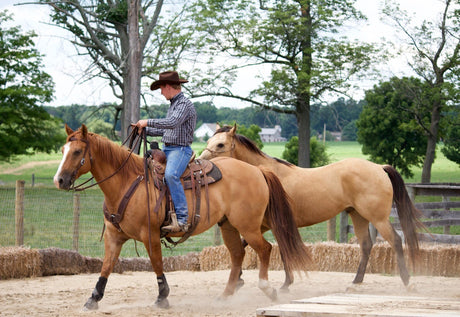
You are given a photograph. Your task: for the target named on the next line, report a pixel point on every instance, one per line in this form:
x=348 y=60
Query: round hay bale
x=19 y=262
x=55 y=261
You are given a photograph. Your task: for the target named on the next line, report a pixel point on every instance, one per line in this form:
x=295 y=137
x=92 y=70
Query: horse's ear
x=217 y=126
x=84 y=131
x=68 y=129
x=233 y=130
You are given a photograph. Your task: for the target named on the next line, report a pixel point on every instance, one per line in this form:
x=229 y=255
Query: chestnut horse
x=244 y=200
x=364 y=189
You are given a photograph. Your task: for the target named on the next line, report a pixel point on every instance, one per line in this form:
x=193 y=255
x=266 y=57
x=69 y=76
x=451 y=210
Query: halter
x=232 y=148
x=88 y=149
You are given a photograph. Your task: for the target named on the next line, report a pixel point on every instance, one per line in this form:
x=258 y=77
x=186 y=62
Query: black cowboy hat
x=171 y=77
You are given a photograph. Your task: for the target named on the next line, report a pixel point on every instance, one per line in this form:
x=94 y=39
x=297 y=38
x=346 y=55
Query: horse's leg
x=235 y=246
x=361 y=228
x=387 y=231
x=113 y=241
x=154 y=251
x=263 y=249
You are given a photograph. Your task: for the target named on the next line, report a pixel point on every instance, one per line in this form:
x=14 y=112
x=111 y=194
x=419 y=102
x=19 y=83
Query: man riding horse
x=177 y=135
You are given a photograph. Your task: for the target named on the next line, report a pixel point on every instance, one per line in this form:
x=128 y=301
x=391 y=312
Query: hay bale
x=133 y=265
x=188 y=262
x=214 y=258
x=93 y=265
x=336 y=257
x=19 y=262
x=55 y=261
x=218 y=258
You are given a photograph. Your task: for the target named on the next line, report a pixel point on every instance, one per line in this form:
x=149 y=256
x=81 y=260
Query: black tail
x=408 y=214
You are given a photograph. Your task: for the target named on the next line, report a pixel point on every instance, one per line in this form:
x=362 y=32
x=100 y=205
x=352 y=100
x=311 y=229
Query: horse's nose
x=61 y=183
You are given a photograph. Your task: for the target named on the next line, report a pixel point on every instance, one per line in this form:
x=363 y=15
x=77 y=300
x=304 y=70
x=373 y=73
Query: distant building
x=271 y=134
x=205 y=131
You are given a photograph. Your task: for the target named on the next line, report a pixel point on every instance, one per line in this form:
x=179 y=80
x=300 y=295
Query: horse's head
x=222 y=143
x=76 y=159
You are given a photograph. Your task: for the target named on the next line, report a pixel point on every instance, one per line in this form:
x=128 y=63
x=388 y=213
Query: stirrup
x=174 y=226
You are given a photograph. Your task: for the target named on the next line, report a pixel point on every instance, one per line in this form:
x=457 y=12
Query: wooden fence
x=444 y=214
x=440 y=214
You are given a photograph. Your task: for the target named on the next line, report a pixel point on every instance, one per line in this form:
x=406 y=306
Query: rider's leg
x=177 y=159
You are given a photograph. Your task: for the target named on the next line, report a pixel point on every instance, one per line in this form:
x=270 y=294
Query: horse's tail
x=282 y=223
x=408 y=214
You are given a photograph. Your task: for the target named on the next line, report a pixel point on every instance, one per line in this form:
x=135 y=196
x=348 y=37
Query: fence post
x=76 y=219
x=343 y=227
x=447 y=227
x=33 y=179
x=217 y=237
x=331 y=230
x=19 y=213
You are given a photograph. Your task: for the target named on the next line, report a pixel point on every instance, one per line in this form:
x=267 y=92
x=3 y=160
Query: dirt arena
x=195 y=293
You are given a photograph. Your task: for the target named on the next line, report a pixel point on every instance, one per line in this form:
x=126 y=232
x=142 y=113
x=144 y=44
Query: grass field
x=49 y=212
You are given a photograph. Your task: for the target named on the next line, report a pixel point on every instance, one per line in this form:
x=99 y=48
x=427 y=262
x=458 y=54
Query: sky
x=66 y=68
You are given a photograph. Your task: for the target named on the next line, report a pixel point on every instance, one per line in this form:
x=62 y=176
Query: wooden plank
x=364 y=305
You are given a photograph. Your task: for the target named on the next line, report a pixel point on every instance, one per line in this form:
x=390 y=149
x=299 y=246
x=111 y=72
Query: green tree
x=451 y=147
x=25 y=126
x=319 y=156
x=125 y=40
x=388 y=127
x=252 y=133
x=350 y=132
x=297 y=39
x=434 y=55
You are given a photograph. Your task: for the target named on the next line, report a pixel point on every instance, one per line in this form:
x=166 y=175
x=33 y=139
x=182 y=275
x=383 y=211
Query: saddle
x=197 y=174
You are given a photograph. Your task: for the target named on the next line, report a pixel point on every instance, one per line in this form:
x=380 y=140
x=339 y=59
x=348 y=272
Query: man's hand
x=140 y=124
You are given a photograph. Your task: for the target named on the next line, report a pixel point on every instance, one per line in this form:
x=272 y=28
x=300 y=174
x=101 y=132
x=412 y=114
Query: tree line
x=338 y=116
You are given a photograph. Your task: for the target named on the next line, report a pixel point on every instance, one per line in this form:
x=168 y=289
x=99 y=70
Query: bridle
x=217 y=152
x=88 y=150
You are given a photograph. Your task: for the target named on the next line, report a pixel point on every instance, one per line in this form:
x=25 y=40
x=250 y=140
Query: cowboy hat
x=171 y=77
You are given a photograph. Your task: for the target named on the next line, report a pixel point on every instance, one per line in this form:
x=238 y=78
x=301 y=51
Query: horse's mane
x=249 y=144
x=109 y=151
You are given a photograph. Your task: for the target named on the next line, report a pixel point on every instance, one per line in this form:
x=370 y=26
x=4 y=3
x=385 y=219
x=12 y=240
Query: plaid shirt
x=178 y=126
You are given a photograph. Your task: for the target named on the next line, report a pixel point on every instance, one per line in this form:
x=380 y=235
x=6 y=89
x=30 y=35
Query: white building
x=205 y=131
x=271 y=134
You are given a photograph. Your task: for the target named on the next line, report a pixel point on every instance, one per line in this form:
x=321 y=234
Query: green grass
x=49 y=212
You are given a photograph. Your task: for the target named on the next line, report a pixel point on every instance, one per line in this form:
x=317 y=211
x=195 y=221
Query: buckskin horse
x=364 y=189
x=244 y=200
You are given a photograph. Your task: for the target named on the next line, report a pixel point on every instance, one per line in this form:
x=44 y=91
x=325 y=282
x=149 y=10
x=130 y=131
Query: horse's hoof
x=411 y=288
x=284 y=289
x=352 y=288
x=273 y=296
x=162 y=303
x=239 y=284
x=91 y=304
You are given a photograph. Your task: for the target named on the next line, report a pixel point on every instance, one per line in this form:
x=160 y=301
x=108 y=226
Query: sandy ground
x=195 y=293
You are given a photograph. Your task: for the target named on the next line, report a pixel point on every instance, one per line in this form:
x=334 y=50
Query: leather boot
x=175 y=226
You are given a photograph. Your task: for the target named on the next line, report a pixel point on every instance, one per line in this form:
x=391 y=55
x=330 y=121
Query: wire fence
x=49 y=221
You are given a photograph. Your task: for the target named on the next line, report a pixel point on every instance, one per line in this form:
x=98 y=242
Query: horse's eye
x=220 y=145
x=77 y=153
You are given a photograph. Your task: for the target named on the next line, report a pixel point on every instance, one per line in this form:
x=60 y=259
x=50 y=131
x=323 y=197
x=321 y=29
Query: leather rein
x=88 y=150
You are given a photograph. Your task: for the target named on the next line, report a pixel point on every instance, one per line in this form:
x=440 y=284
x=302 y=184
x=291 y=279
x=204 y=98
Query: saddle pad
x=198 y=168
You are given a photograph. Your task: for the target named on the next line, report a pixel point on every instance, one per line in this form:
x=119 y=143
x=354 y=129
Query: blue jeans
x=177 y=158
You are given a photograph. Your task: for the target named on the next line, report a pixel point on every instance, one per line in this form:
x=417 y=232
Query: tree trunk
x=132 y=72
x=303 y=123
x=431 y=144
